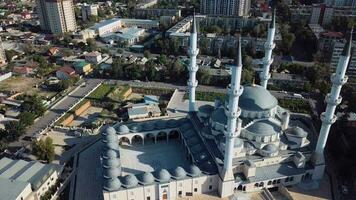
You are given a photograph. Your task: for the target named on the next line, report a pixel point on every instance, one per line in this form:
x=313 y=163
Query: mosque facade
x=244 y=143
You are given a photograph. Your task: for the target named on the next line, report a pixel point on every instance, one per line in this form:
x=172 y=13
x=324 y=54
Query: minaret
x=232 y=112
x=193 y=68
x=269 y=46
x=332 y=99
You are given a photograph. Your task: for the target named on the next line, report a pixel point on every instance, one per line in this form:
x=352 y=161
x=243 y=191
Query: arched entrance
x=174 y=134
x=150 y=138
x=161 y=136
x=137 y=140
x=124 y=141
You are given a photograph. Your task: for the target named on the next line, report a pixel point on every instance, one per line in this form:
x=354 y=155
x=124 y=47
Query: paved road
x=54 y=112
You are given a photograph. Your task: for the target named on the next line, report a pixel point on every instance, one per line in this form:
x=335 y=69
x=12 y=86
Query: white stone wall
x=173 y=189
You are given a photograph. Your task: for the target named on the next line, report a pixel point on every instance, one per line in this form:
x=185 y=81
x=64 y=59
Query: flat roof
x=11 y=189
x=32 y=172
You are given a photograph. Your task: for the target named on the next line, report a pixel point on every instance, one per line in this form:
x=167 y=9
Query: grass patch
x=295 y=105
x=102 y=91
x=207 y=96
x=117 y=94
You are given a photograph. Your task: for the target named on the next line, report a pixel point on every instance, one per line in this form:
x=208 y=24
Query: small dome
x=109 y=153
x=263 y=128
x=110 y=130
x=179 y=173
x=111 y=172
x=123 y=129
x=135 y=128
x=219 y=116
x=297 y=132
x=112 y=184
x=110 y=138
x=193 y=170
x=148 y=126
x=130 y=181
x=257 y=98
x=112 y=145
x=208 y=167
x=161 y=124
x=163 y=175
x=111 y=162
x=206 y=109
x=270 y=148
x=147 y=178
x=172 y=123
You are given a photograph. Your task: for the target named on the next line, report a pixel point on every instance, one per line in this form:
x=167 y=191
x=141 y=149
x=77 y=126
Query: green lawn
x=295 y=105
x=207 y=96
x=101 y=92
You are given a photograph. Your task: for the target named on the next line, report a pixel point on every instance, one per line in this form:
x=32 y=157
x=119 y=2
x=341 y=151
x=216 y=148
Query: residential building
x=126 y=35
x=327 y=40
x=146 y=4
x=2 y=53
x=351 y=3
x=65 y=73
x=20 y=179
x=56 y=16
x=82 y=67
x=287 y=80
x=114 y=25
x=337 y=52
x=93 y=57
x=156 y=13
x=225 y=7
x=89 y=10
x=22 y=70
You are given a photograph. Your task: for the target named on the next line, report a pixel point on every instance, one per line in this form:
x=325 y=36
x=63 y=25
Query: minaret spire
x=193 y=68
x=328 y=117
x=232 y=112
x=269 y=46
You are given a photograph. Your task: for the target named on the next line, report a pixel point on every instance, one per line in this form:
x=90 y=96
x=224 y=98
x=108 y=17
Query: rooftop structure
x=26 y=178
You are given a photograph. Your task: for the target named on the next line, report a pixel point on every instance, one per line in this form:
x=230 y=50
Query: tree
x=44 y=150
x=147 y=54
x=33 y=104
x=14 y=130
x=26 y=118
x=91 y=44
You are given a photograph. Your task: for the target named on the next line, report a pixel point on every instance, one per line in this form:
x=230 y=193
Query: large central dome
x=257 y=98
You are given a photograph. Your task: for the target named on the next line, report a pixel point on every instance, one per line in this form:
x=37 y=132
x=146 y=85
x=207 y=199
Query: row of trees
x=31 y=108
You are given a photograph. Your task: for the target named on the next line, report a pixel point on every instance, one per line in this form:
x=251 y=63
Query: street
x=53 y=113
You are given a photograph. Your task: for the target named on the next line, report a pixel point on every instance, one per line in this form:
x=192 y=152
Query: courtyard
x=152 y=157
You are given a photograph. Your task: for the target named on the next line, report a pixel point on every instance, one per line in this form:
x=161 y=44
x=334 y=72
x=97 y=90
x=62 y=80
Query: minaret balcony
x=335 y=79
x=232 y=114
x=193 y=52
x=327 y=119
x=332 y=101
x=269 y=46
x=267 y=61
x=265 y=76
x=234 y=91
x=192 y=84
x=193 y=68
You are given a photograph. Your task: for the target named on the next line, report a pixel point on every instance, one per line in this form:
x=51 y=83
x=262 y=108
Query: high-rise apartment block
x=89 y=10
x=225 y=7
x=56 y=16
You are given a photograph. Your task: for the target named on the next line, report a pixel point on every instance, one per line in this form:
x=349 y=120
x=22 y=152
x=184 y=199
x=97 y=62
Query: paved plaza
x=152 y=157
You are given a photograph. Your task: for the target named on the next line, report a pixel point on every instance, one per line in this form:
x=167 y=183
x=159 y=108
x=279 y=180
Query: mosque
x=245 y=143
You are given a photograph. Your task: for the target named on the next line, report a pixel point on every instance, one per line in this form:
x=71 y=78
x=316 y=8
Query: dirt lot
x=24 y=84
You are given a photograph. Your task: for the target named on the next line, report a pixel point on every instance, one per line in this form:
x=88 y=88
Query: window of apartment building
x=180 y=193
x=195 y=189
x=210 y=187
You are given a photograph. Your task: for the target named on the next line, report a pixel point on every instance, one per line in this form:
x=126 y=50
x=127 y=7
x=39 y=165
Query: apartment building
x=56 y=16
x=338 y=47
x=89 y=10
x=225 y=7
